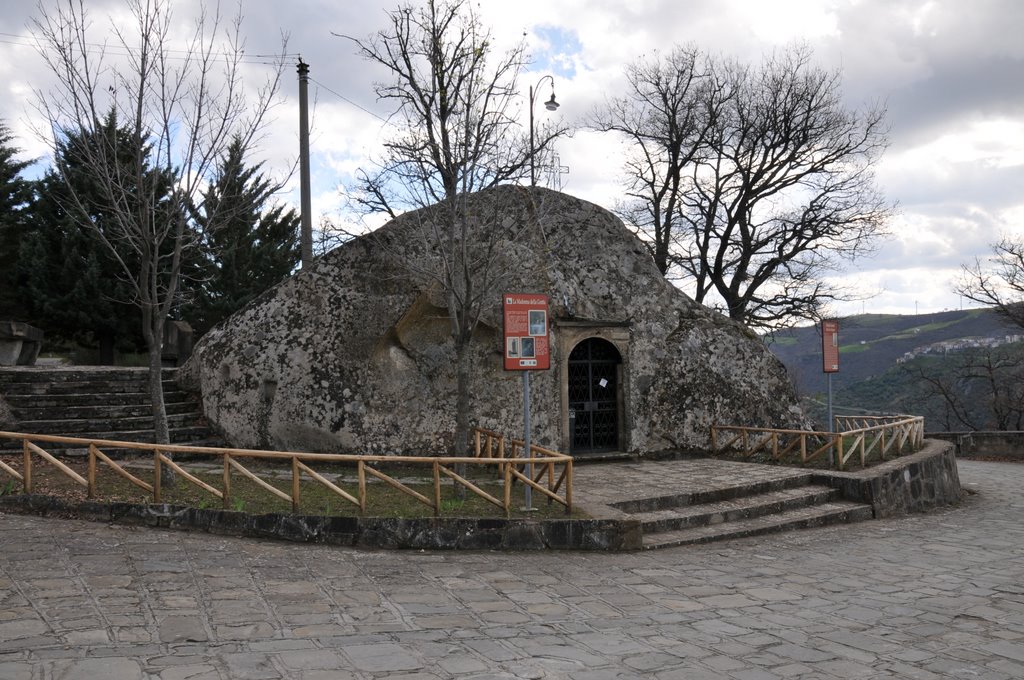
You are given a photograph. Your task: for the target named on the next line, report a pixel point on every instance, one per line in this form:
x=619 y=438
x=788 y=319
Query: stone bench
x=19 y=343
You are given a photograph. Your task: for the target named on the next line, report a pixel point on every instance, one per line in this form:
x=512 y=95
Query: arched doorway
x=593 y=386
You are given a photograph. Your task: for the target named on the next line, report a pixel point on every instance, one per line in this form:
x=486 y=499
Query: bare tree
x=776 y=184
x=979 y=389
x=457 y=134
x=182 y=104
x=1001 y=286
x=672 y=104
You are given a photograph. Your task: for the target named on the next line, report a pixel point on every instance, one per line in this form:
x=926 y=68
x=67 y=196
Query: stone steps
x=112 y=387
x=103 y=423
x=98 y=403
x=738 y=510
x=713 y=495
x=56 y=409
x=812 y=516
x=746 y=507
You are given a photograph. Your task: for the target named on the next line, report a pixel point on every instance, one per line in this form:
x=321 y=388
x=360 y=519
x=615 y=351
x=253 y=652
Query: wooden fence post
x=91 y=493
x=437 y=489
x=568 y=488
x=27 y=465
x=295 y=484
x=156 y=475
x=362 y=487
x=227 y=482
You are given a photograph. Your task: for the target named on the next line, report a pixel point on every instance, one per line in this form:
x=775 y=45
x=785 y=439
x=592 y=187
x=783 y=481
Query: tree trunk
x=154 y=334
x=106 y=349
x=463 y=374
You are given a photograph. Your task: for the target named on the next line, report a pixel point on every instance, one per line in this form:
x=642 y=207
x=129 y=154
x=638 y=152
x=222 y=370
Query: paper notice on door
x=603 y=382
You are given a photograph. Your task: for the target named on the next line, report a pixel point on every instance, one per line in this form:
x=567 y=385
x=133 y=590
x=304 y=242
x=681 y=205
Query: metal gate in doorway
x=594 y=396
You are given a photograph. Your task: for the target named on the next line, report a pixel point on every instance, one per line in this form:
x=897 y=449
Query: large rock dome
x=354 y=353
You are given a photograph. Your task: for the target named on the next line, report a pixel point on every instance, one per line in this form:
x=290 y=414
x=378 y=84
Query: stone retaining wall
x=914 y=483
x=1008 y=445
x=365 y=532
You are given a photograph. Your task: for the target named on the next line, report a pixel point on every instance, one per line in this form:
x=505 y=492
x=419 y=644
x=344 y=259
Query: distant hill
x=871 y=344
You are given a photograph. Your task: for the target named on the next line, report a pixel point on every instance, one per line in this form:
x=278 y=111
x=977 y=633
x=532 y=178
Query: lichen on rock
x=354 y=353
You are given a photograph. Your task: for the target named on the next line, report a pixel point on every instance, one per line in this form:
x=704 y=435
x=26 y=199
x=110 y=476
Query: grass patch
x=382 y=500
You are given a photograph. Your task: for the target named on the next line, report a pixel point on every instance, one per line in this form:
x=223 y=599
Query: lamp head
x=551 y=104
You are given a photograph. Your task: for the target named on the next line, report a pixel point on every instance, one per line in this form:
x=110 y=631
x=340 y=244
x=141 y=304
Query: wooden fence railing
x=862 y=436
x=508 y=469
x=490 y=445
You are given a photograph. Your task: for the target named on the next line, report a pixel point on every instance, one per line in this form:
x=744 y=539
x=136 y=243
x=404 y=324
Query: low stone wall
x=1008 y=445
x=365 y=532
x=19 y=343
x=914 y=483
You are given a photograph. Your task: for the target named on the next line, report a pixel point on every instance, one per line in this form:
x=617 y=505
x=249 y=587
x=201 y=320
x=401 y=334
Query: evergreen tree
x=15 y=205
x=252 y=242
x=74 y=281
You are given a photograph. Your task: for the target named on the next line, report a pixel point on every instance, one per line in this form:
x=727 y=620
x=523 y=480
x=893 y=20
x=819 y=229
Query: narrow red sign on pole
x=830 y=345
x=526 y=332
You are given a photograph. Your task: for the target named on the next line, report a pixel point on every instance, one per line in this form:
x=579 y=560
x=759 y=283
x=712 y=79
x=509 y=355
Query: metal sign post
x=527 y=490
x=527 y=348
x=830 y=365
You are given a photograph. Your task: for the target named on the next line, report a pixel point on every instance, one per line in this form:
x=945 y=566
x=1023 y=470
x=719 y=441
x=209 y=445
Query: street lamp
x=550 y=105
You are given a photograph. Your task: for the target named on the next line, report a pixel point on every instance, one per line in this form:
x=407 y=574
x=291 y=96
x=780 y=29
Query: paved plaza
x=925 y=596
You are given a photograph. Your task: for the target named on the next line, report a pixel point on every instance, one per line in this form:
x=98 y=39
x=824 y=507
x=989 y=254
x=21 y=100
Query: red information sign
x=830 y=345
x=526 y=332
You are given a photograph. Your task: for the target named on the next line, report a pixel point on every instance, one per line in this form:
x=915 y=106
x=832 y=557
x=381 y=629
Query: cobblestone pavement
x=938 y=595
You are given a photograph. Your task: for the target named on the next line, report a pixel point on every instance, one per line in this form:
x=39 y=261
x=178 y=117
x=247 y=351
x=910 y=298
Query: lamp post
x=550 y=105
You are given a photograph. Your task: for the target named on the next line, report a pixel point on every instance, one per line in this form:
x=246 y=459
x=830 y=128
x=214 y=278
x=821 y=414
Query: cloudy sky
x=950 y=72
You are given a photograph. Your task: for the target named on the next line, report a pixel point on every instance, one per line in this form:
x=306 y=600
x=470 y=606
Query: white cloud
x=952 y=74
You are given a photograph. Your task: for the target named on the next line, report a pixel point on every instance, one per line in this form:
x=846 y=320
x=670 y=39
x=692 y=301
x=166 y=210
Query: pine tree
x=15 y=205
x=73 y=281
x=252 y=242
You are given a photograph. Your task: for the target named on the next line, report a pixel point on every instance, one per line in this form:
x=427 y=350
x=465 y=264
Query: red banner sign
x=526 y=332
x=830 y=345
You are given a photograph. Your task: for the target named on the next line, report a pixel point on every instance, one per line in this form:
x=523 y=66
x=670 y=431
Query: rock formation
x=354 y=354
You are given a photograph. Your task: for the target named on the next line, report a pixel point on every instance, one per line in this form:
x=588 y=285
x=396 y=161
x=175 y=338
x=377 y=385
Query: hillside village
x=945 y=347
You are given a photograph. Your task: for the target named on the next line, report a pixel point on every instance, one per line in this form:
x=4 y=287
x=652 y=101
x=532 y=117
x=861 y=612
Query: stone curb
x=916 y=483
x=365 y=532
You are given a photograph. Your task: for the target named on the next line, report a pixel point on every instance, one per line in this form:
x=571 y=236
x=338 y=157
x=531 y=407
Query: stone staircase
x=98 y=403
x=748 y=509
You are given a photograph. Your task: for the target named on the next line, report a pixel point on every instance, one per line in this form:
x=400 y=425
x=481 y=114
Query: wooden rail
x=863 y=436
x=545 y=462
x=548 y=462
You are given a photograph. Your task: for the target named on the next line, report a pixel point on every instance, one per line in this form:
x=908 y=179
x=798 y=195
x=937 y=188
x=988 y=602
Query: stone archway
x=594 y=391
x=568 y=334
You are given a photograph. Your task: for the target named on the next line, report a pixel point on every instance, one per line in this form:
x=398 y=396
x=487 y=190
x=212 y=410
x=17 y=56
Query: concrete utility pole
x=306 y=234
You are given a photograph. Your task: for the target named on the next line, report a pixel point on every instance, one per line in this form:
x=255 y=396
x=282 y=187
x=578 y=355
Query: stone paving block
x=377 y=658
x=688 y=673
x=16 y=670
x=108 y=669
x=723 y=663
x=461 y=664
x=1011 y=669
x=191 y=672
x=311 y=659
x=792 y=670
x=250 y=665
x=323 y=675
x=19 y=628
x=1010 y=650
x=753 y=674
x=800 y=653
x=82 y=638
x=182 y=629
